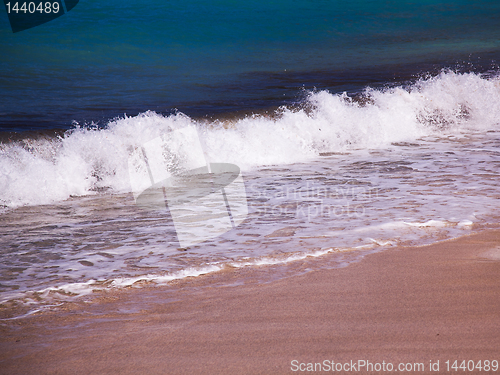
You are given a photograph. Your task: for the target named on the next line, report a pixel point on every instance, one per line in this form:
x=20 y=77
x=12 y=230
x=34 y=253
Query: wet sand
x=405 y=305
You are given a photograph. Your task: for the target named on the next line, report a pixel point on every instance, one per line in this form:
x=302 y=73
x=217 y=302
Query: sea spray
x=86 y=160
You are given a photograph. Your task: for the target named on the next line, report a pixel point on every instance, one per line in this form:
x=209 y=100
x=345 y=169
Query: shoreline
x=418 y=304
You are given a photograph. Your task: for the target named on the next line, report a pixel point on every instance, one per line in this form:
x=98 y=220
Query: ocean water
x=148 y=143
x=107 y=59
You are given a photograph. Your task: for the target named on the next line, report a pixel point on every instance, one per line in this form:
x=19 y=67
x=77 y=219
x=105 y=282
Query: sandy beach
x=405 y=307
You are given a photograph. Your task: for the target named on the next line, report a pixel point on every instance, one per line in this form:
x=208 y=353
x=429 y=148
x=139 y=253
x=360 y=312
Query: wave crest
x=85 y=161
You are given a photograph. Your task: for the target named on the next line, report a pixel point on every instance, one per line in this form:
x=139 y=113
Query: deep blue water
x=109 y=58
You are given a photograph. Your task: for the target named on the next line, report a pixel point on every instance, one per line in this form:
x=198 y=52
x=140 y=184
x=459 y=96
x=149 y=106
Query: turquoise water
x=105 y=59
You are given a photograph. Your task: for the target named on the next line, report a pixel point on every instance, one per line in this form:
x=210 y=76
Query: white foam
x=84 y=160
x=430 y=223
x=465 y=224
x=162 y=279
x=80 y=289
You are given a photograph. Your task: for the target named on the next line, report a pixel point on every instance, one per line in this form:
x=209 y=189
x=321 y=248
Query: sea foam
x=86 y=160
